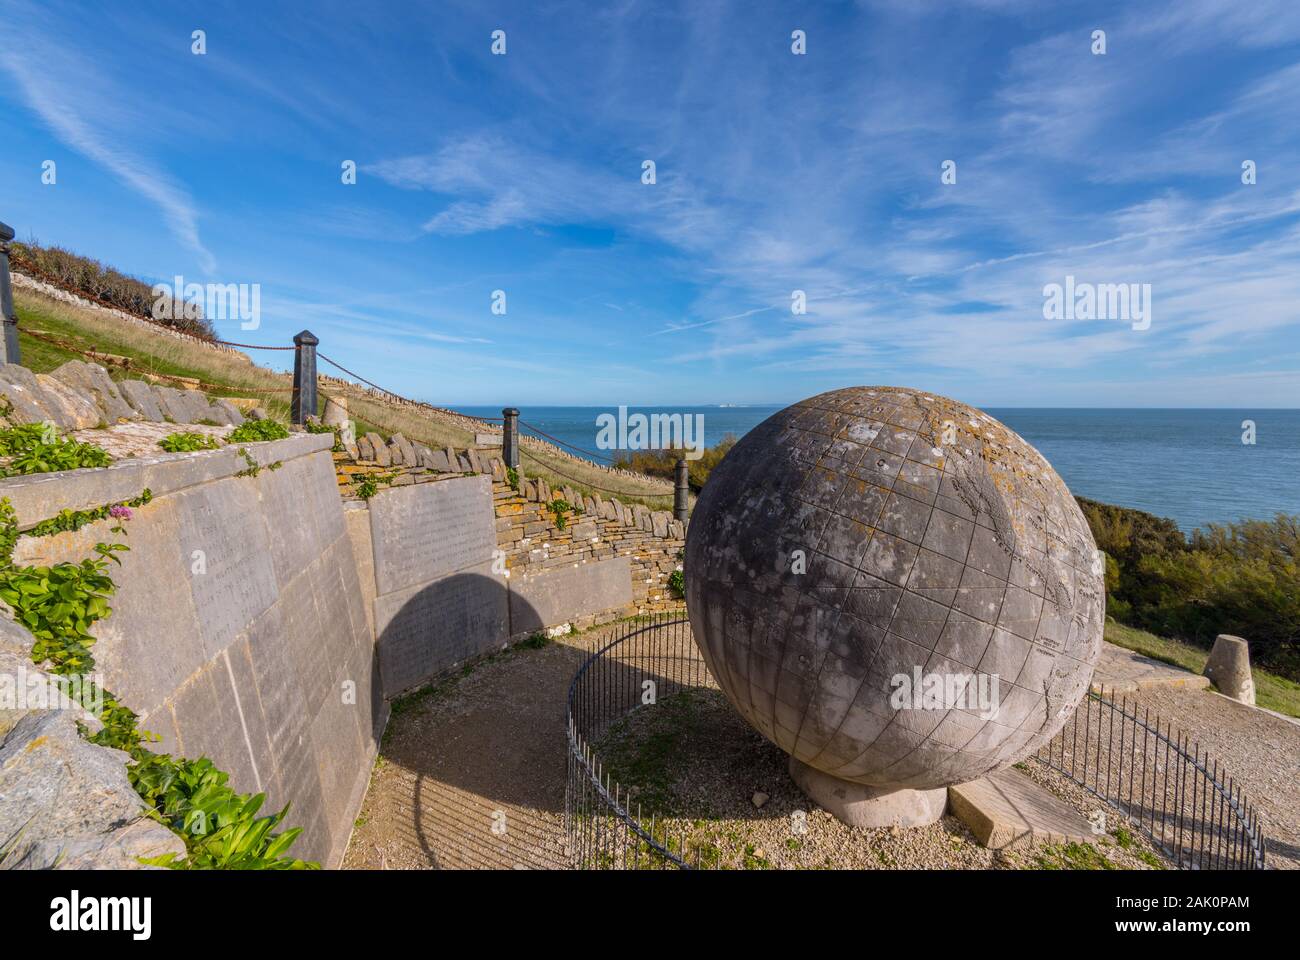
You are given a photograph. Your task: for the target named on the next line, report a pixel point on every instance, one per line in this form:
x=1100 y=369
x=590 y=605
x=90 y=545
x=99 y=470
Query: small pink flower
x=120 y=512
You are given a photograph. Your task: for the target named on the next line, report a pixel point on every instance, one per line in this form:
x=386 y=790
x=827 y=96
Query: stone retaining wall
x=238 y=629
x=263 y=621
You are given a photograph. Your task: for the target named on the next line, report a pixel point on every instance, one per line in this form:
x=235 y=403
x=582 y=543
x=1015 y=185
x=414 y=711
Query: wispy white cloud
x=73 y=102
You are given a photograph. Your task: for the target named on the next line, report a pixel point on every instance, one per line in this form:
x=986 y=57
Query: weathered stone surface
x=242 y=649
x=583 y=530
x=243 y=404
x=232 y=412
x=487 y=439
x=430 y=530
x=18 y=385
x=141 y=398
x=171 y=402
x=69 y=802
x=558 y=595
x=336 y=412
x=356 y=516
x=867 y=807
x=73 y=410
x=1229 y=668
x=153 y=599
x=936 y=542
x=1006 y=807
x=427 y=628
x=213 y=412
x=196 y=406
x=1126 y=671
x=409 y=456
x=382 y=456
x=223 y=523
x=95 y=379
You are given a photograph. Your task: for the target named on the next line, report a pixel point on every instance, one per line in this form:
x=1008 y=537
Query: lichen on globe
x=894 y=588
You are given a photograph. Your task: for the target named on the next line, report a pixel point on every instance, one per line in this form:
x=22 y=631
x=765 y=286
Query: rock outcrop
x=80 y=395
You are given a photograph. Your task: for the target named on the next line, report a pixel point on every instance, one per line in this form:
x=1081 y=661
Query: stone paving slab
x=1125 y=671
x=1006 y=807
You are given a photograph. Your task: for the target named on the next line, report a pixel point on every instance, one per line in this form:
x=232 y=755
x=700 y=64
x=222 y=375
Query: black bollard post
x=7 y=313
x=681 y=491
x=510 y=437
x=304 y=377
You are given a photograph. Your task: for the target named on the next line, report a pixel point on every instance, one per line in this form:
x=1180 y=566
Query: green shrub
x=663 y=463
x=677 y=583
x=37 y=448
x=1241 y=578
x=188 y=442
x=251 y=431
x=91 y=278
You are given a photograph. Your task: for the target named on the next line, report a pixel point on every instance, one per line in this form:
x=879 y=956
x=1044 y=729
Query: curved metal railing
x=1162 y=782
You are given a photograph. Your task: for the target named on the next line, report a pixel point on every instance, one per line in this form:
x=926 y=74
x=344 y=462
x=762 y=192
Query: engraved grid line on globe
x=915 y=480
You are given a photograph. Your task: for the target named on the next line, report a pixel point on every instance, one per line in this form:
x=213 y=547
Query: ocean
x=1188 y=465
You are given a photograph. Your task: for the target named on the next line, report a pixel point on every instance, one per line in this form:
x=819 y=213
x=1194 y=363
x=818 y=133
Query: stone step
x=1007 y=807
x=1125 y=671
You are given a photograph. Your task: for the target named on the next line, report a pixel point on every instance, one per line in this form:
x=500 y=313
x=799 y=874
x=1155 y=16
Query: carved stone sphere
x=894 y=588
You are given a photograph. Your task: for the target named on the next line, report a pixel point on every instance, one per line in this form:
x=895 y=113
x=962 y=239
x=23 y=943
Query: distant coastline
x=1189 y=465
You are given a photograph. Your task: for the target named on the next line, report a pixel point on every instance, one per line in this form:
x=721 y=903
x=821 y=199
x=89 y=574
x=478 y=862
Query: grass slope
x=1271 y=691
x=235 y=375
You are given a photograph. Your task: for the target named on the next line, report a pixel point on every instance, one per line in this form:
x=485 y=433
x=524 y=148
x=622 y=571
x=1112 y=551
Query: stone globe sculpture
x=896 y=590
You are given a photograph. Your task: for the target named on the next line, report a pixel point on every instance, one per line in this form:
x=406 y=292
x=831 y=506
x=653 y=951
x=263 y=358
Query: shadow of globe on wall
x=896 y=590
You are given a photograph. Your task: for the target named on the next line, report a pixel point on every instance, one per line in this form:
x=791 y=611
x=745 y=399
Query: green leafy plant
x=254 y=468
x=188 y=442
x=251 y=431
x=677 y=583
x=512 y=478
x=559 y=510
x=370 y=484
x=221 y=827
x=68 y=520
x=37 y=448
x=59 y=604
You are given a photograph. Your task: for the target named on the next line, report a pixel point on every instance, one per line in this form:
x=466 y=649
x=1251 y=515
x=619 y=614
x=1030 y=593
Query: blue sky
x=775 y=173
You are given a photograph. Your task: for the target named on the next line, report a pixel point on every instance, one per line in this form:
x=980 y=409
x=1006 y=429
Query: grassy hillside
x=231 y=374
x=1271 y=691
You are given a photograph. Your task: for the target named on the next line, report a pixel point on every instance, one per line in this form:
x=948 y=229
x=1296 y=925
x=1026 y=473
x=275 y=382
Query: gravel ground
x=695 y=762
x=471 y=771
x=471 y=774
x=1260 y=750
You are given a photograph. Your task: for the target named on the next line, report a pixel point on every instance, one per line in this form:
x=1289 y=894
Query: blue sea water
x=1188 y=465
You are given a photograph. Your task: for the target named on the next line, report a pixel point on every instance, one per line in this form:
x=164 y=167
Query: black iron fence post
x=8 y=315
x=510 y=437
x=681 y=490
x=304 y=377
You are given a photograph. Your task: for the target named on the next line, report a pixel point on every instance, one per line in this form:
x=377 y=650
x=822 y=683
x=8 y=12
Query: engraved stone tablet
x=428 y=530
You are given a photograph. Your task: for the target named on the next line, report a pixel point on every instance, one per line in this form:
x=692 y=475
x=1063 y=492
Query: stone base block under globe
x=894 y=588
